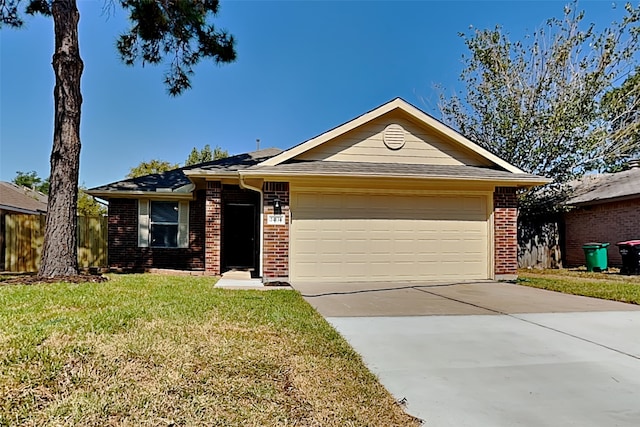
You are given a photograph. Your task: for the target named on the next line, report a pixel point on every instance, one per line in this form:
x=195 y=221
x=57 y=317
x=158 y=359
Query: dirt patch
x=36 y=280
x=277 y=283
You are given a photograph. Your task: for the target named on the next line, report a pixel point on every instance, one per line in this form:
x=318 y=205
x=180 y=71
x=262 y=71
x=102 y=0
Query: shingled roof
x=365 y=169
x=608 y=187
x=16 y=198
x=176 y=180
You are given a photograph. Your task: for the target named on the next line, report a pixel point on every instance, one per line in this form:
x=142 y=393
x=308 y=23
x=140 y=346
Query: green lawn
x=605 y=285
x=174 y=351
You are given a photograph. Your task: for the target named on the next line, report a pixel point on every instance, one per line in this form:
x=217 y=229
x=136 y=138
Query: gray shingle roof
x=392 y=170
x=234 y=163
x=249 y=164
x=21 y=199
x=176 y=178
x=602 y=188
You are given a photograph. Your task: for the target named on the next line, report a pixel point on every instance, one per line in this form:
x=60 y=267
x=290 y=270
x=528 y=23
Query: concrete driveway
x=492 y=354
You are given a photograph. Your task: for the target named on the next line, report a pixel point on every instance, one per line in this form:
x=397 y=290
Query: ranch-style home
x=393 y=194
x=605 y=208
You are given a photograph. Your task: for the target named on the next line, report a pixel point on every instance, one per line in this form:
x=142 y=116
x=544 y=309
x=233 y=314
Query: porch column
x=213 y=227
x=505 y=226
x=276 y=236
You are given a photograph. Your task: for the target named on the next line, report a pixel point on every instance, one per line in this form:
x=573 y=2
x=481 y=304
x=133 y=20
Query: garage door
x=364 y=237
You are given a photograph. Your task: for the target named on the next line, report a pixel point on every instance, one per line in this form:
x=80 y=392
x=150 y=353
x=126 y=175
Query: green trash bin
x=595 y=255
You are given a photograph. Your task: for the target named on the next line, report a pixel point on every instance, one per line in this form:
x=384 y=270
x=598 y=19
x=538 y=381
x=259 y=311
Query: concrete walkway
x=238 y=279
x=493 y=354
x=241 y=279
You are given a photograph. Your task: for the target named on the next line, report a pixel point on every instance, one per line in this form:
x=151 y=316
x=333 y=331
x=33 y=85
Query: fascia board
x=210 y=174
x=519 y=181
x=602 y=201
x=141 y=195
x=21 y=210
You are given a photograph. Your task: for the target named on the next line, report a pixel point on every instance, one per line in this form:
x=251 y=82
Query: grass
x=606 y=285
x=174 y=351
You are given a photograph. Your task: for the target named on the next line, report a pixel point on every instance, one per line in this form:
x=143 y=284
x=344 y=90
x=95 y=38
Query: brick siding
x=276 y=237
x=213 y=227
x=505 y=223
x=124 y=252
x=606 y=223
x=205 y=232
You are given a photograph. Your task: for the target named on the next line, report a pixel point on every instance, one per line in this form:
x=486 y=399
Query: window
x=163 y=224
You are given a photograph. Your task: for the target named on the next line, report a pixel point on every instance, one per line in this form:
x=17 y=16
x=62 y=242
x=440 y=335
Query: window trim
x=144 y=224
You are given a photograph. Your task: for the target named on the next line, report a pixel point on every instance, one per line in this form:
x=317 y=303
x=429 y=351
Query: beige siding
x=422 y=146
x=367 y=237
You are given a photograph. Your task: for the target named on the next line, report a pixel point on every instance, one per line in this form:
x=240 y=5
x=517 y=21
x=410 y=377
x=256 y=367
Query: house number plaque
x=275 y=220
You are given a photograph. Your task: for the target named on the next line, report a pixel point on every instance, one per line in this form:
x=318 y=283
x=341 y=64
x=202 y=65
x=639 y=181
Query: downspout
x=246 y=186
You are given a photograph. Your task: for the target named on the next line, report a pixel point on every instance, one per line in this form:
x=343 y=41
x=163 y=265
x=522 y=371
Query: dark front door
x=240 y=236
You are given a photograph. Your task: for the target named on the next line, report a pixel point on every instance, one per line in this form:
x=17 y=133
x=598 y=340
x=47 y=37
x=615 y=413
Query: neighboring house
x=391 y=195
x=606 y=209
x=16 y=199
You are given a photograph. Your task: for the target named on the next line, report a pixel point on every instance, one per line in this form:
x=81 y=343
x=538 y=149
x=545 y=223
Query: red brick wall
x=123 y=239
x=276 y=237
x=608 y=222
x=213 y=227
x=505 y=223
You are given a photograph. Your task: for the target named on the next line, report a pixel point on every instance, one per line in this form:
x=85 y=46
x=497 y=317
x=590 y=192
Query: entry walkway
x=493 y=354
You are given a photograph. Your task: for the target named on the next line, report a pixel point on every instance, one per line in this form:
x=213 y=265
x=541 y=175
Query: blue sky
x=303 y=67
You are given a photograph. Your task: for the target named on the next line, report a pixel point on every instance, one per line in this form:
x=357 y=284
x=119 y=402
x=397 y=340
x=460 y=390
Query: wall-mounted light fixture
x=277 y=206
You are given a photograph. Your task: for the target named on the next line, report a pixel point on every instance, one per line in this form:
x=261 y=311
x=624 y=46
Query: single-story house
x=393 y=194
x=18 y=199
x=605 y=209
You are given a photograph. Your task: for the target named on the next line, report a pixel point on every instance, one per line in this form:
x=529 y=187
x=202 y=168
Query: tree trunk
x=60 y=252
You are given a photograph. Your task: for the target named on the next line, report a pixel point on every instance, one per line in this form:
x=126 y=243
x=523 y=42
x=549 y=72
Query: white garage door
x=364 y=237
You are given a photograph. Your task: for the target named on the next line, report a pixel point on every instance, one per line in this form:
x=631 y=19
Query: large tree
x=32 y=180
x=152 y=166
x=88 y=205
x=205 y=155
x=621 y=110
x=179 y=32
x=538 y=103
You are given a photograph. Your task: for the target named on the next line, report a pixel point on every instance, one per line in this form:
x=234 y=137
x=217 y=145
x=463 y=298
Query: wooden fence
x=540 y=243
x=24 y=236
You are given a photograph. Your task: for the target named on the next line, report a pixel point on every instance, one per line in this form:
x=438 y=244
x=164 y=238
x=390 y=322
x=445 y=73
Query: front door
x=239 y=245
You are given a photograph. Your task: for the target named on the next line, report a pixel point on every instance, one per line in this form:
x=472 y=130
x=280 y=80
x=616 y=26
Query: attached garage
x=360 y=236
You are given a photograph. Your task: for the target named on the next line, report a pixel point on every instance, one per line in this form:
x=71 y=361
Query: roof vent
x=393 y=137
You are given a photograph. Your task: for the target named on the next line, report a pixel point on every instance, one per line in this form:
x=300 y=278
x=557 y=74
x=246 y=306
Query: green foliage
x=205 y=155
x=180 y=30
x=88 y=206
x=621 y=110
x=616 y=288
x=536 y=102
x=150 y=167
x=32 y=180
x=179 y=33
x=219 y=153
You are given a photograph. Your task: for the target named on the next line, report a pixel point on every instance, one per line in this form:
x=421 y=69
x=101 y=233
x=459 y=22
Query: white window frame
x=144 y=224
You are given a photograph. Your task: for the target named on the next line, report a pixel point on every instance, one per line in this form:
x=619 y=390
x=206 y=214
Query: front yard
x=606 y=285
x=174 y=351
